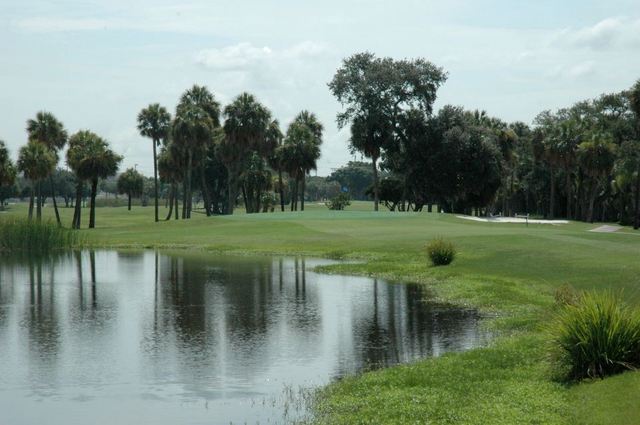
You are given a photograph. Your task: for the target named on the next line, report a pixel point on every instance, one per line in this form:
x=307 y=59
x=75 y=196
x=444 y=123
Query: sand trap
x=511 y=220
x=606 y=229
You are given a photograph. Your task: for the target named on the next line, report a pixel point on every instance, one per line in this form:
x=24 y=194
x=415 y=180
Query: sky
x=96 y=63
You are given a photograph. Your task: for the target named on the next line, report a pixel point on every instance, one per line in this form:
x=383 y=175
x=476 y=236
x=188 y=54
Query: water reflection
x=189 y=338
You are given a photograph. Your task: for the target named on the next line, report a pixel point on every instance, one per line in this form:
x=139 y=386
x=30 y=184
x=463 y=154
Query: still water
x=149 y=338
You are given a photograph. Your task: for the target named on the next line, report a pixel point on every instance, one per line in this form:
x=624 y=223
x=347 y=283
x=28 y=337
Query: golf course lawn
x=508 y=271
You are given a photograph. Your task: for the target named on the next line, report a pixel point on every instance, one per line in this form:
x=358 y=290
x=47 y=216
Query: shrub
x=597 y=337
x=31 y=236
x=338 y=202
x=441 y=252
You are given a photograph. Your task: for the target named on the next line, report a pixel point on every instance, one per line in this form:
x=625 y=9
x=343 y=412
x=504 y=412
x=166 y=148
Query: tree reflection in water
x=154 y=331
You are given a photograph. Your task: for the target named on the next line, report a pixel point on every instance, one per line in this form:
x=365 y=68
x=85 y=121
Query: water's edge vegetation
x=508 y=272
x=18 y=235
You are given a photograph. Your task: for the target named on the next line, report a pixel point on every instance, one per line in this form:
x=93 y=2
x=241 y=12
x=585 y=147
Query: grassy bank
x=508 y=270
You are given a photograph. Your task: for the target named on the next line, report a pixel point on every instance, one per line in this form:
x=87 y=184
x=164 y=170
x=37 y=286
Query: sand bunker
x=512 y=220
x=606 y=229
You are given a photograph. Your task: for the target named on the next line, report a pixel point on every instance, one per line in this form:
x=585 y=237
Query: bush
x=441 y=252
x=338 y=202
x=30 y=236
x=597 y=337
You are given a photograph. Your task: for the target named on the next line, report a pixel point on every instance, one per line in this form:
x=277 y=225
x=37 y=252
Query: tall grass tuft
x=441 y=252
x=597 y=336
x=19 y=235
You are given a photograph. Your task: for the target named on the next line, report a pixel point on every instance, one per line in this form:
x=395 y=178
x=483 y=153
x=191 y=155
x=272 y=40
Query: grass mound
x=20 y=235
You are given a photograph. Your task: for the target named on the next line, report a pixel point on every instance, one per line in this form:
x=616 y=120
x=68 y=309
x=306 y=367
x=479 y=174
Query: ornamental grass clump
x=20 y=235
x=441 y=252
x=596 y=337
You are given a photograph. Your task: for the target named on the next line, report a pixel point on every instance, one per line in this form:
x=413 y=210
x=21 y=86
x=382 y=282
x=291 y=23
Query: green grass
x=508 y=271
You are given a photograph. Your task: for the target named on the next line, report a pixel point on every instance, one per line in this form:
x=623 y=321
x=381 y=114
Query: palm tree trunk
x=304 y=182
x=294 y=196
x=281 y=190
x=53 y=198
x=376 y=198
x=189 y=166
x=184 y=198
x=552 y=195
x=155 y=177
x=592 y=200
x=171 y=195
x=205 y=193
x=129 y=204
x=636 y=221
x=77 y=212
x=232 y=189
x=569 y=194
x=31 y=202
x=175 y=200
x=92 y=211
x=39 y=203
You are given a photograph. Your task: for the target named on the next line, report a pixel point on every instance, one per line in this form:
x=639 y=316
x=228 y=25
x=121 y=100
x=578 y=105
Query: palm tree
x=274 y=137
x=130 y=183
x=628 y=167
x=597 y=157
x=170 y=169
x=7 y=170
x=246 y=125
x=192 y=131
x=46 y=129
x=154 y=122
x=299 y=153
x=312 y=148
x=37 y=162
x=91 y=159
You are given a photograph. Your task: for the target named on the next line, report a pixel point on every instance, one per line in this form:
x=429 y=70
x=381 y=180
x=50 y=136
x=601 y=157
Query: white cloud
x=245 y=56
x=238 y=57
x=606 y=34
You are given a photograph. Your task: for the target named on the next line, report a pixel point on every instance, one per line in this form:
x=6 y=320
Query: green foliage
x=17 y=235
x=596 y=337
x=441 y=252
x=131 y=183
x=338 y=202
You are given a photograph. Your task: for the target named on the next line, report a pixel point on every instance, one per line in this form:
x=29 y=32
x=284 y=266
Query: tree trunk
x=376 y=198
x=592 y=200
x=155 y=179
x=176 y=201
x=636 y=221
x=205 y=193
x=39 y=202
x=281 y=190
x=294 y=195
x=77 y=212
x=92 y=211
x=304 y=183
x=189 y=185
x=232 y=189
x=129 y=203
x=552 y=195
x=31 y=202
x=171 y=195
x=569 y=195
x=53 y=198
x=184 y=198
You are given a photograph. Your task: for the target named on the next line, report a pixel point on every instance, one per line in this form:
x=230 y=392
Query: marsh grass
x=20 y=235
x=597 y=336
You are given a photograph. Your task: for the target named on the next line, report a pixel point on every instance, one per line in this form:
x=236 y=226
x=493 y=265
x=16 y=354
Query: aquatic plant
x=19 y=235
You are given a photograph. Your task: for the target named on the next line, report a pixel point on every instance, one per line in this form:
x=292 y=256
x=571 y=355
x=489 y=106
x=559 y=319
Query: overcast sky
x=96 y=63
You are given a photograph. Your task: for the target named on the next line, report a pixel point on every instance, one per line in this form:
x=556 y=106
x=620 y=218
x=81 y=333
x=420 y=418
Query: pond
x=112 y=337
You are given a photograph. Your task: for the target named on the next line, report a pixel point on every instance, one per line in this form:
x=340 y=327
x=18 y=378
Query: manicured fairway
x=508 y=270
